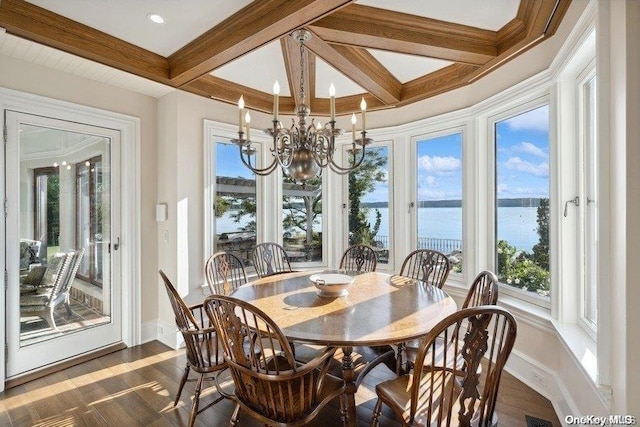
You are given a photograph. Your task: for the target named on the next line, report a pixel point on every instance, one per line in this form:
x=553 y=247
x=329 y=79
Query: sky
x=522 y=154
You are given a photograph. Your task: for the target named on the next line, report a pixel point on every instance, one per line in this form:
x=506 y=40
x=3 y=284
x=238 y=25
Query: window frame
x=344 y=206
x=495 y=117
x=215 y=132
x=589 y=73
x=431 y=132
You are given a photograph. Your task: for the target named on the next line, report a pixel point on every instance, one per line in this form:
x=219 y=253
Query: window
x=439 y=196
x=369 y=210
x=235 y=203
x=522 y=201
x=47 y=210
x=90 y=206
x=302 y=220
x=589 y=314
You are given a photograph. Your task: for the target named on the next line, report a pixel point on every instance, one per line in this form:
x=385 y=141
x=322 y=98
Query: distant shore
x=524 y=202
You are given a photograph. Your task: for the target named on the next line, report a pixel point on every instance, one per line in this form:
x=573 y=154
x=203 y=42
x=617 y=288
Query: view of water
x=517 y=225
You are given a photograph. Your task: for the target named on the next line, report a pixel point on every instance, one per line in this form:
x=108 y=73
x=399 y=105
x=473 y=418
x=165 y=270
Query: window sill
x=575 y=339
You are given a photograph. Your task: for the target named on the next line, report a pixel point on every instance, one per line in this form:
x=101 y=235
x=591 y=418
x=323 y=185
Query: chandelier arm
x=278 y=154
x=257 y=171
x=344 y=170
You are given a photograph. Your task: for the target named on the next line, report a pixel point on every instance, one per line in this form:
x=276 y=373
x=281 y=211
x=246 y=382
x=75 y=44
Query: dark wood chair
x=359 y=258
x=483 y=291
x=427 y=265
x=270 y=258
x=269 y=384
x=449 y=395
x=224 y=272
x=202 y=347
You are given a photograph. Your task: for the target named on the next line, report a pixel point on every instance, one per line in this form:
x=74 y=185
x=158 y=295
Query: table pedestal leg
x=400 y=360
x=348 y=410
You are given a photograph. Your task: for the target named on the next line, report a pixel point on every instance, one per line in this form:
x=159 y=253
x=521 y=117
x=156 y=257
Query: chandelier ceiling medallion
x=302 y=150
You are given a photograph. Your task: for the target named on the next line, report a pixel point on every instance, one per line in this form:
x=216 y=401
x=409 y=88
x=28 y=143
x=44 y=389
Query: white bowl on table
x=331 y=284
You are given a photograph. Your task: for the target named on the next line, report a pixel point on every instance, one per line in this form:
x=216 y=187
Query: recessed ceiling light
x=154 y=17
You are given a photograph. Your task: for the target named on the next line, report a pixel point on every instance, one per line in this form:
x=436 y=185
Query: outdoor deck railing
x=446 y=246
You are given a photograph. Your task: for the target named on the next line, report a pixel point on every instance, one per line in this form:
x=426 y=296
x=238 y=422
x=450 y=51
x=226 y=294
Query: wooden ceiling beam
x=443 y=80
x=34 y=23
x=257 y=24
x=361 y=67
x=374 y=28
x=229 y=92
x=539 y=21
x=291 y=53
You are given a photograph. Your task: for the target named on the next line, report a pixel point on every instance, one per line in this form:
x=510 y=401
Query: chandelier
x=304 y=149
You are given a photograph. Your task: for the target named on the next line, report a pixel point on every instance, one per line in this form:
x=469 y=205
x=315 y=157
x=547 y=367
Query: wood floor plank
x=136 y=387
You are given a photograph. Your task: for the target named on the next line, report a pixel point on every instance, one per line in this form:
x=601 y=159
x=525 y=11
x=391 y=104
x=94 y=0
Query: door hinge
x=6 y=207
x=5 y=134
x=6 y=280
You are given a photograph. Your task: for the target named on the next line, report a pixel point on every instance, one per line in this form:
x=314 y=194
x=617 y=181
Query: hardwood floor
x=136 y=387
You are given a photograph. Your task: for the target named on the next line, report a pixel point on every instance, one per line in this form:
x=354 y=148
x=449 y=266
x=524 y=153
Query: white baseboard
x=164 y=332
x=543 y=380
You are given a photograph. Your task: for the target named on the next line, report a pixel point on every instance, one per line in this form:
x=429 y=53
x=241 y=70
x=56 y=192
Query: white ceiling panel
x=486 y=14
x=408 y=67
x=258 y=69
x=127 y=20
x=326 y=74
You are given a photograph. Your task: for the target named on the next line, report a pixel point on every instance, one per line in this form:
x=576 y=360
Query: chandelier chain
x=302 y=95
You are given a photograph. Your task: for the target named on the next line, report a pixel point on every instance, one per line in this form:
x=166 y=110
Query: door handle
x=116 y=245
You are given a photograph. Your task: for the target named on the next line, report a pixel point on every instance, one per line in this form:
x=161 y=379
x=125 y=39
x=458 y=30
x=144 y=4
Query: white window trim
x=492 y=120
x=437 y=130
x=344 y=206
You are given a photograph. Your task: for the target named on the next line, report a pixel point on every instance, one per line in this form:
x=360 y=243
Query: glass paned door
x=61 y=296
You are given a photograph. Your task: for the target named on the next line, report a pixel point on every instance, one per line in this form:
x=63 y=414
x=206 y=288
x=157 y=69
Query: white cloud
x=503 y=188
x=537 y=119
x=516 y=163
x=529 y=148
x=431 y=180
x=438 y=165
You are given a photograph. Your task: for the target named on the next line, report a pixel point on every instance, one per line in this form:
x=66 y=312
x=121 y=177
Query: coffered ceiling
x=392 y=53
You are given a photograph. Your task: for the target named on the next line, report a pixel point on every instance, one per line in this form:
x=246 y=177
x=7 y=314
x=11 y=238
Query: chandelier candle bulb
x=276 y=95
x=363 y=107
x=353 y=127
x=247 y=122
x=240 y=109
x=332 y=102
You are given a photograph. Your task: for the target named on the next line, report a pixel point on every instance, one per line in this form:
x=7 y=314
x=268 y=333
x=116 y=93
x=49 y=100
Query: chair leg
x=48 y=317
x=196 y=401
x=344 y=416
x=234 y=416
x=183 y=381
x=375 y=422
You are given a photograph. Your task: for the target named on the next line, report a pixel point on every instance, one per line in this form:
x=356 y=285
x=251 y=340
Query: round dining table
x=378 y=309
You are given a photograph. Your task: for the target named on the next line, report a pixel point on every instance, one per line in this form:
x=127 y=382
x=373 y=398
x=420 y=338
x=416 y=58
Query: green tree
x=301 y=212
x=361 y=182
x=541 y=249
x=223 y=205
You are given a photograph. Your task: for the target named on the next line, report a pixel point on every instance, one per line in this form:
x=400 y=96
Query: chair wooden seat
x=483 y=291
x=444 y=395
x=429 y=266
x=204 y=355
x=269 y=259
x=270 y=385
x=224 y=273
x=359 y=258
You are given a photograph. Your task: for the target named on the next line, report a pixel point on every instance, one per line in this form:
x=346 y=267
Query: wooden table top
x=378 y=309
